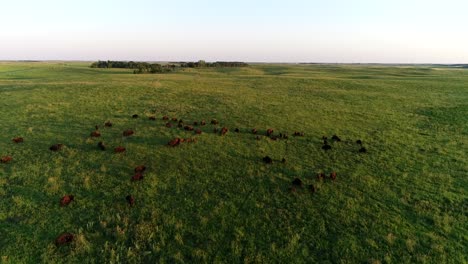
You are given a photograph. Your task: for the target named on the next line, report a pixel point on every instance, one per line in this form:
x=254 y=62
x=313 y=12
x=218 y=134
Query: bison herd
x=139 y=171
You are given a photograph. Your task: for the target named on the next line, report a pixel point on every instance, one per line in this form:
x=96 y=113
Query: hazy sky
x=406 y=31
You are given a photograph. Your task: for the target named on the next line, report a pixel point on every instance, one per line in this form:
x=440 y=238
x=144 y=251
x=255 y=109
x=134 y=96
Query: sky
x=334 y=31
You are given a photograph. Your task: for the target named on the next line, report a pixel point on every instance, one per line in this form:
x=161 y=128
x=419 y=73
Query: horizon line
x=252 y=62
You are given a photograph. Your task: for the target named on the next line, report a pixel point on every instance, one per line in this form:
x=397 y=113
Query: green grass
x=215 y=201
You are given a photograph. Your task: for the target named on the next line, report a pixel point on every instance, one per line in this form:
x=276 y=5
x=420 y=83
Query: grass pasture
x=404 y=201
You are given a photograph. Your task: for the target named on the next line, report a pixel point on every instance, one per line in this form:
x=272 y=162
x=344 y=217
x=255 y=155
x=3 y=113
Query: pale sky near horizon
x=353 y=31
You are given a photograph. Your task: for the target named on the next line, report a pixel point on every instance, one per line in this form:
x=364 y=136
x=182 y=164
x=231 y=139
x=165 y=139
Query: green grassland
x=404 y=201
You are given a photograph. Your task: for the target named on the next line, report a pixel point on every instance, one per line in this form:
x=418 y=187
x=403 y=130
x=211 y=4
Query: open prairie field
x=404 y=200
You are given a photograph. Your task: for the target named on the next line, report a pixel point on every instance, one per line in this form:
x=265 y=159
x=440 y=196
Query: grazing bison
x=6 y=159
x=188 y=128
x=269 y=132
x=198 y=131
x=312 y=188
x=101 y=145
x=362 y=150
x=165 y=118
x=135 y=116
x=333 y=176
x=128 y=133
x=18 y=140
x=283 y=160
x=254 y=131
x=274 y=138
x=195 y=123
x=298 y=134
x=152 y=118
x=56 y=147
x=175 y=142
x=214 y=122
x=108 y=124
x=326 y=147
x=359 y=142
x=95 y=134
x=137 y=177
x=174 y=119
x=320 y=176
x=141 y=168
x=283 y=136
x=119 y=149
x=297 y=182
x=224 y=130
x=168 y=125
x=203 y=122
x=64 y=238
x=267 y=160
x=130 y=200
x=336 y=138
x=237 y=130
x=66 y=200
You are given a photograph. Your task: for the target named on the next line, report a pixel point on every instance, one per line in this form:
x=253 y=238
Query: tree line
x=145 y=67
x=138 y=67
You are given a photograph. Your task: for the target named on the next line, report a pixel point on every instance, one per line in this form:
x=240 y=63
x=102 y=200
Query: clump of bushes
x=145 y=67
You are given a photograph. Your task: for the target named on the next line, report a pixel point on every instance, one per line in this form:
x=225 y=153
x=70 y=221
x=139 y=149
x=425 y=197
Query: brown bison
x=198 y=131
x=168 y=125
x=195 y=123
x=362 y=150
x=64 y=238
x=18 y=140
x=95 y=134
x=267 y=160
x=141 y=168
x=236 y=130
x=254 y=131
x=224 y=131
x=137 y=177
x=135 y=116
x=101 y=145
x=56 y=147
x=326 y=147
x=297 y=182
x=174 y=119
x=128 y=133
x=130 y=200
x=312 y=188
x=333 y=176
x=165 y=118
x=119 y=149
x=175 y=142
x=188 y=128
x=320 y=176
x=298 y=134
x=359 y=142
x=108 y=124
x=336 y=138
x=6 y=159
x=66 y=200
x=203 y=122
x=152 y=118
x=214 y=122
x=269 y=132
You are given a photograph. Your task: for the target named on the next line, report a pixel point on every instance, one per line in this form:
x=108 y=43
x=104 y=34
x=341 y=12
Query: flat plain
x=402 y=201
